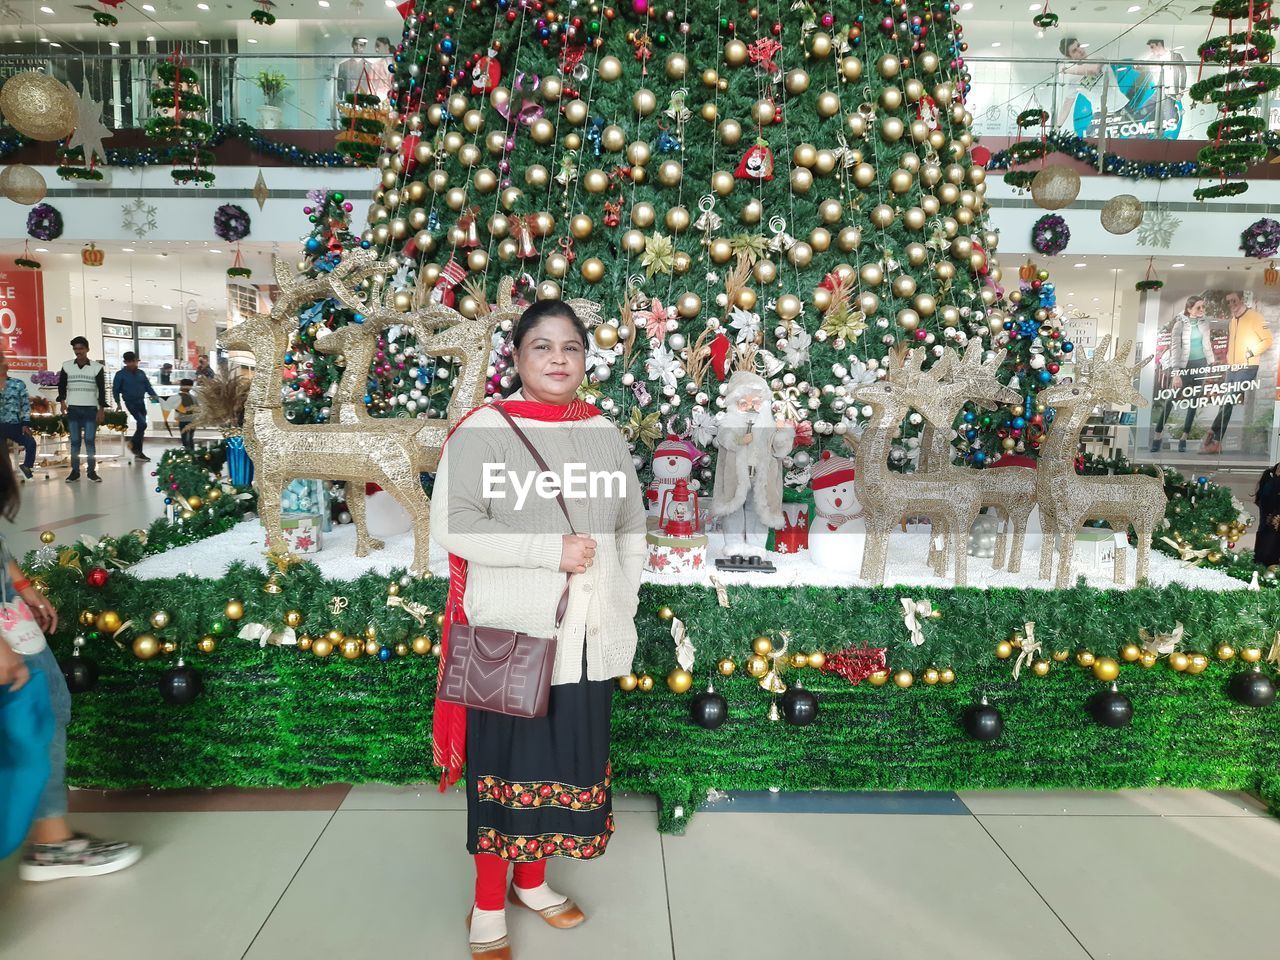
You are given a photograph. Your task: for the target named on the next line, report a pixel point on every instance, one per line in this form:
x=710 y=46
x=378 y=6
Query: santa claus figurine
x=673 y=460
x=748 y=485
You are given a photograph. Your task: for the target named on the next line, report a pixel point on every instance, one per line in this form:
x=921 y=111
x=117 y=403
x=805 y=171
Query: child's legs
x=50 y=825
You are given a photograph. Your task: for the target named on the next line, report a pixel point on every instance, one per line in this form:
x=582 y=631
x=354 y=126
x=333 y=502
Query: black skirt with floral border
x=540 y=788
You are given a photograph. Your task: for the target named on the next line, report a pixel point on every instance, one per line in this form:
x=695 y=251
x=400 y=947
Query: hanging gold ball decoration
x=293 y=618
x=1106 y=669
x=234 y=610
x=38 y=106
x=146 y=646
x=892 y=129
x=676 y=66
x=903 y=679
x=606 y=336
x=351 y=648
x=207 y=644
x=108 y=621
x=679 y=681
x=1055 y=187
x=726 y=667
x=900 y=181
x=160 y=619
x=796 y=82
x=851 y=68
x=828 y=104
x=609 y=68
x=756 y=666
x=879 y=678
x=1197 y=663
x=22 y=184
x=644 y=683
x=735 y=53
x=688 y=305
x=593 y=269
x=1251 y=654
x=627 y=682
x=1122 y=214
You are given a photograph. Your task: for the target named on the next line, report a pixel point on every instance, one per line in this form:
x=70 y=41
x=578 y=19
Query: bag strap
x=563 y=605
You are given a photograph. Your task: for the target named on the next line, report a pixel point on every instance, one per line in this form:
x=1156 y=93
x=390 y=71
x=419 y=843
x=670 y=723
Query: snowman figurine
x=837 y=534
x=673 y=460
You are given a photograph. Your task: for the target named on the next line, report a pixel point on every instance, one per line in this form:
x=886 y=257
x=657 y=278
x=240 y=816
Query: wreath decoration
x=263 y=17
x=1045 y=20
x=1050 y=235
x=44 y=222
x=1261 y=240
x=1033 y=117
x=231 y=222
x=1144 y=285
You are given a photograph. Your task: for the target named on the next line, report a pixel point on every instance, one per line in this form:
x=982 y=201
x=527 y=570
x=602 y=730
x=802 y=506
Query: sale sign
x=22 y=317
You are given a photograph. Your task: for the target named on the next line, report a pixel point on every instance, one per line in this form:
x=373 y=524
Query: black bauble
x=982 y=722
x=709 y=710
x=1111 y=708
x=81 y=673
x=1253 y=688
x=180 y=685
x=799 y=706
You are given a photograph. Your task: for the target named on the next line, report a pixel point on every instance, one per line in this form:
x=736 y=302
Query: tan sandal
x=563 y=916
x=493 y=950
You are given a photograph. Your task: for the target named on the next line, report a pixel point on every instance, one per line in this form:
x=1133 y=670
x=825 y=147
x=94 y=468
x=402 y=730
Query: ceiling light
x=392 y=4
x=1085 y=46
x=46 y=9
x=324 y=3
x=202 y=6
x=149 y=8
x=214 y=251
x=996 y=44
x=204 y=43
x=52 y=44
x=126 y=249
x=1135 y=8
x=113 y=43
x=1177 y=265
x=167 y=306
x=1079 y=266
x=151 y=39
x=1034 y=7
x=42 y=249
x=967 y=6
x=252 y=40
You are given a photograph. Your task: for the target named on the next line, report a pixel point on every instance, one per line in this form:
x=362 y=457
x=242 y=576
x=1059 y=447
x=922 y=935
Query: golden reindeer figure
x=1137 y=500
x=945 y=496
x=1010 y=491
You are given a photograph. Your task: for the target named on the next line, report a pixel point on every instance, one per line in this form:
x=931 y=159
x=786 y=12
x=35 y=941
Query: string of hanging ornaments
x=178 y=102
x=1237 y=136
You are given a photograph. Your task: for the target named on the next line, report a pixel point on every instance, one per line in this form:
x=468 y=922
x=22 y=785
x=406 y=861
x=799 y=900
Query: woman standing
x=1266 y=549
x=538 y=788
x=1190 y=349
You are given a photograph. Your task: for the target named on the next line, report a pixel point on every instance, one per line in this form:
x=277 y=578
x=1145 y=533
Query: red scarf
x=449 y=725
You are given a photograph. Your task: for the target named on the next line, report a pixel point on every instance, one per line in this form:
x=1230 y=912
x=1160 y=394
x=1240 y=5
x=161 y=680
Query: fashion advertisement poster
x=22 y=317
x=1215 y=372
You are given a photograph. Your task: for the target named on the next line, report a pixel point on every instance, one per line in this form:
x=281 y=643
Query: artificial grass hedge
x=282 y=717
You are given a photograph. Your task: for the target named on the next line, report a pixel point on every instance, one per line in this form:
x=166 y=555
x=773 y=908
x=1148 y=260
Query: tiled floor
x=374 y=871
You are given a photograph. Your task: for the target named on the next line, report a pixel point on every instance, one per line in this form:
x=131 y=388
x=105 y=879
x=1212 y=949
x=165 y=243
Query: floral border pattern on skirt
x=535 y=793
x=519 y=849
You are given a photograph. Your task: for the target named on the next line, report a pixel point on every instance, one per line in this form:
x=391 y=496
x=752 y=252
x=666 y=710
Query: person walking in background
x=82 y=394
x=1248 y=338
x=202 y=366
x=166 y=375
x=54 y=851
x=186 y=410
x=1266 y=549
x=1190 y=349
x=15 y=416
x=134 y=386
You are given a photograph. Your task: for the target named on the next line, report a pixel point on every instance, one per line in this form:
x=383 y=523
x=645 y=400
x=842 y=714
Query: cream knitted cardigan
x=513 y=576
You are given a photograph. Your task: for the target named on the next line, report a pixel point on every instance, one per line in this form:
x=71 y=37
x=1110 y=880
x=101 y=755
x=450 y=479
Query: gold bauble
x=371 y=648
x=914 y=89
x=108 y=622
x=1040 y=667
x=644 y=102
x=676 y=66
x=557 y=265
x=762 y=646
x=799 y=660
x=892 y=129
x=830 y=210
x=477 y=262
x=788 y=306
x=915 y=219
x=756 y=666
x=644 y=683
x=1251 y=654
x=931 y=676
x=643 y=215
x=88 y=618
x=47 y=537
x=351 y=648
x=1131 y=653
x=735 y=53
x=688 y=305
x=421 y=645
x=402 y=649
x=945 y=270
x=593 y=271
x=878 y=678
x=825 y=163
x=903 y=679
x=146 y=646
x=638 y=153
x=551 y=89
x=234 y=610
x=679 y=681
x=851 y=68
x=805 y=154
x=721 y=250
x=947 y=675
x=38 y=106
x=801 y=181
x=864 y=175
x=765 y=271
x=904 y=285
x=800 y=255
x=633 y=241
x=722 y=182
x=820 y=239
x=763 y=111
x=891 y=98
x=730 y=132
x=1085 y=658
x=752 y=212
x=820 y=45
x=321 y=647
x=828 y=104
x=22 y=184
x=160 y=619
x=917 y=253
x=670 y=172
x=908 y=319
x=919 y=131
x=627 y=682
x=1106 y=669
x=543 y=131
x=606 y=336
x=796 y=82
x=613 y=138
x=900 y=181
x=882 y=215
x=849 y=239
x=948 y=193
x=581 y=225
x=595 y=181
x=469 y=155
x=821 y=299
x=1225 y=651
x=168 y=646
x=746 y=299
x=1197 y=663
x=726 y=667
x=1004 y=649
x=548 y=290
x=1149 y=658
x=609 y=68
x=925 y=304
x=708 y=112
x=207 y=644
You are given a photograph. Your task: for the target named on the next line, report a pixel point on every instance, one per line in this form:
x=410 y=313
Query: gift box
x=675 y=554
x=307 y=498
x=794 y=535
x=301 y=532
x=1096 y=551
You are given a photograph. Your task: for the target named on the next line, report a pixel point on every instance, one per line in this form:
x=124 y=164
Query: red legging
x=491 y=879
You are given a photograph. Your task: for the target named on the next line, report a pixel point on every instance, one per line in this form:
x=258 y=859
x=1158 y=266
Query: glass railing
x=1114 y=100
x=230 y=81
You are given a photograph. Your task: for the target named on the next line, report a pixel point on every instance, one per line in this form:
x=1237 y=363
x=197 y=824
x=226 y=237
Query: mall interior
x=1078 y=849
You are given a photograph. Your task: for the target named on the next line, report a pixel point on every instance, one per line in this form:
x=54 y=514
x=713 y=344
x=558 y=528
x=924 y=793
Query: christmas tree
x=790 y=192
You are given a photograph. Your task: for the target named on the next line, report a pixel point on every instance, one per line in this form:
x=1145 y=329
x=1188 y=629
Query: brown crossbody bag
x=504 y=671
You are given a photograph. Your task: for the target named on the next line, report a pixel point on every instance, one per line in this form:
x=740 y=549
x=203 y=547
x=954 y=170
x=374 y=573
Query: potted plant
x=272 y=83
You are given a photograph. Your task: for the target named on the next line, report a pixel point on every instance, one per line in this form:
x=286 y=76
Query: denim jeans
x=138 y=410
x=1223 y=419
x=188 y=436
x=53 y=802
x=13 y=431
x=82 y=421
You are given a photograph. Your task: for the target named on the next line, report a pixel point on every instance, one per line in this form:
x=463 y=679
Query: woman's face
x=551 y=361
x=1196 y=309
x=1075 y=52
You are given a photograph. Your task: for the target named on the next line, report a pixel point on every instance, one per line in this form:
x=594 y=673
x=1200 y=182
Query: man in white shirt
x=82 y=393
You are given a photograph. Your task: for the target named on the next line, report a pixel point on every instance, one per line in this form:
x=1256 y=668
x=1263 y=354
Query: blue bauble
x=384 y=654
x=979 y=456
x=1067 y=346
x=1045 y=376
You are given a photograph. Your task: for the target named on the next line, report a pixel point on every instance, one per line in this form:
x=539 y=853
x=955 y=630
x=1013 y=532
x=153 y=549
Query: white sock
x=488 y=925
x=540 y=898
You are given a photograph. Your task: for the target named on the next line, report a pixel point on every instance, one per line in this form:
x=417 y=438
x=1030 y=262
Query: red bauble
x=97 y=578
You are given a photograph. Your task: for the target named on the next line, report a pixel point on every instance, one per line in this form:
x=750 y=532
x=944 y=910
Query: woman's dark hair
x=1193 y=299
x=1066 y=44
x=9 y=495
x=529 y=321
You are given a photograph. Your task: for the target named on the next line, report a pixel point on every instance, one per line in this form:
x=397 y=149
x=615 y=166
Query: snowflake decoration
x=139 y=218
x=746 y=323
x=1158 y=228
x=662 y=365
